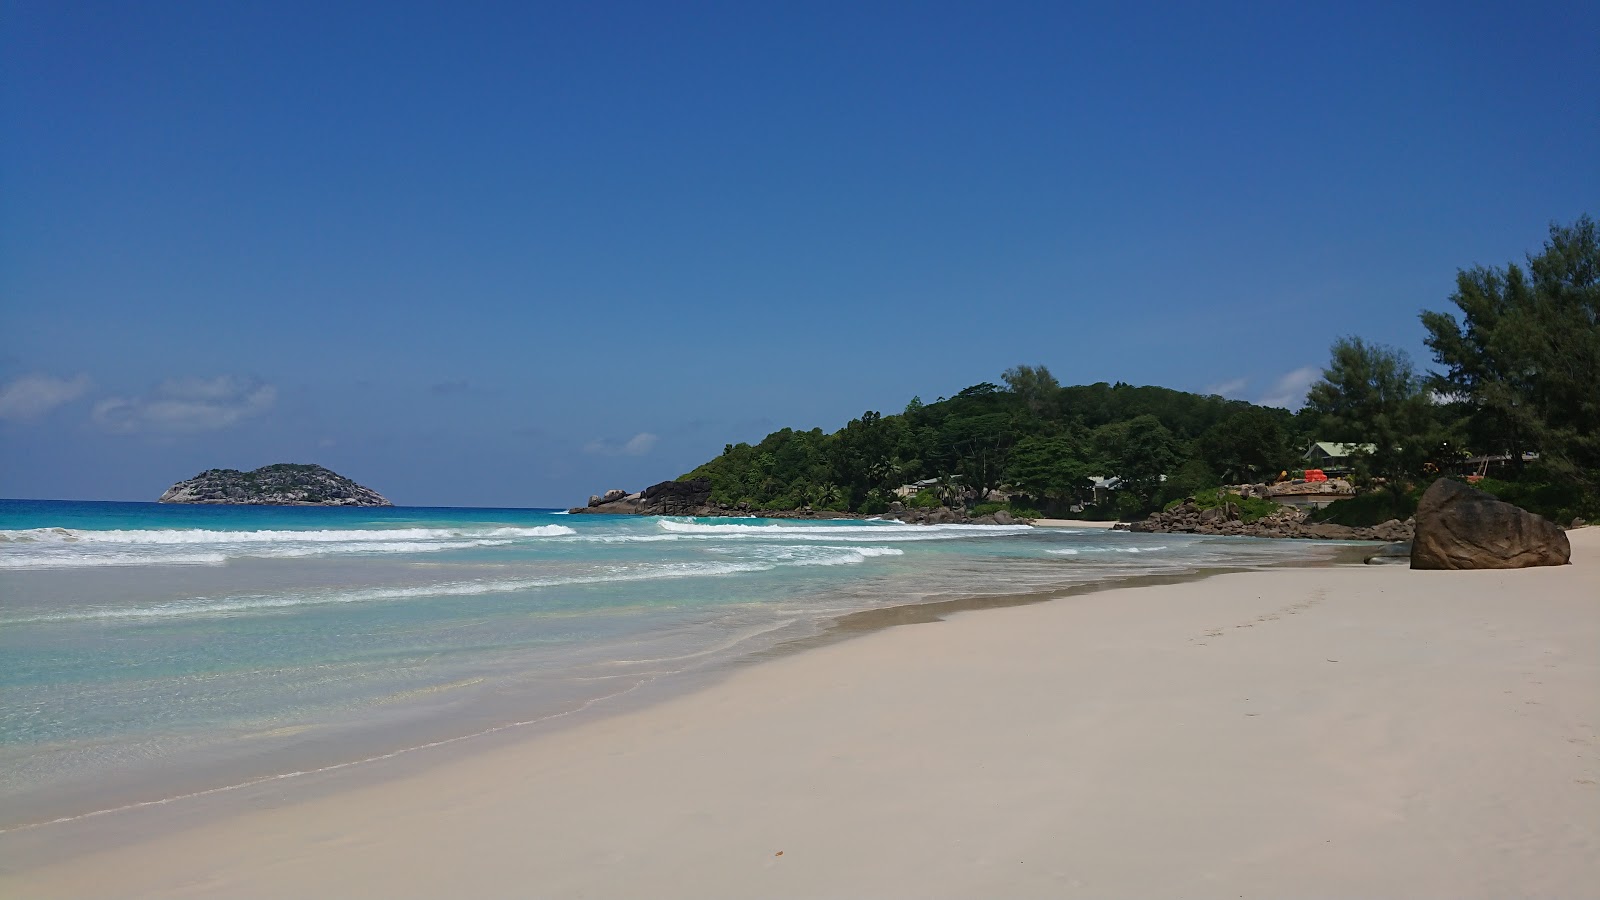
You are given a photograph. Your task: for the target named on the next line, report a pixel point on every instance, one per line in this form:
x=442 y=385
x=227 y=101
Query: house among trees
x=1334 y=457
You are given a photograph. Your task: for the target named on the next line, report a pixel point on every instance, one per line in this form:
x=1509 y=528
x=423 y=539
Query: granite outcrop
x=283 y=484
x=1289 y=522
x=1459 y=527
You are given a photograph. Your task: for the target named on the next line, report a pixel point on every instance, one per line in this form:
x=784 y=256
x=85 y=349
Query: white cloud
x=1231 y=388
x=638 y=445
x=1290 y=391
x=187 y=404
x=34 y=395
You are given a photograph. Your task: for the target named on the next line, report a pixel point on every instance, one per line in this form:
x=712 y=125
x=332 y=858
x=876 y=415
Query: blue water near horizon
x=150 y=649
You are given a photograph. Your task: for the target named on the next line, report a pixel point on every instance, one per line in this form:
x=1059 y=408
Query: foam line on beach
x=795 y=556
x=276 y=536
x=862 y=532
x=68 y=548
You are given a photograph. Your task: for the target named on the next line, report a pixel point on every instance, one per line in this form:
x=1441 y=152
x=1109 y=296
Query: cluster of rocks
x=669 y=498
x=944 y=515
x=693 y=498
x=1189 y=518
x=1299 y=488
x=282 y=484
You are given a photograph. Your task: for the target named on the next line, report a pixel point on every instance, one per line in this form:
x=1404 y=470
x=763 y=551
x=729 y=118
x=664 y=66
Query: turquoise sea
x=148 y=651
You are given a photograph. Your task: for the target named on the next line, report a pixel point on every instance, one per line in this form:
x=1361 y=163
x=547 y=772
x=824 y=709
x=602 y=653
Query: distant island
x=283 y=484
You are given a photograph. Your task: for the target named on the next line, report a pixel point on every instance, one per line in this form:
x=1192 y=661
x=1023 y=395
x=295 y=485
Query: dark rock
x=1004 y=517
x=613 y=495
x=1459 y=527
x=1390 y=553
x=283 y=484
x=1287 y=522
x=594 y=500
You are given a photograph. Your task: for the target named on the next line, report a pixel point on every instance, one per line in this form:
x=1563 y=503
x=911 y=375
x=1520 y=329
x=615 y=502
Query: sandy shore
x=1360 y=731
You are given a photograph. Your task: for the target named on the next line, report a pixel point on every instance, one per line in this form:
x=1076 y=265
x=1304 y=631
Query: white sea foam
x=865 y=532
x=802 y=556
x=807 y=554
x=1071 y=551
x=58 y=548
x=60 y=561
x=206 y=536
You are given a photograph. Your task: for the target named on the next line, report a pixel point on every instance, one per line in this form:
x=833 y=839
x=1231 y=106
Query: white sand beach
x=1302 y=732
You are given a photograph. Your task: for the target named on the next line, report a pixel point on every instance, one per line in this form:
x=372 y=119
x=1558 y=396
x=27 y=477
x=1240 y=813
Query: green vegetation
x=1032 y=439
x=1555 y=500
x=1249 y=509
x=1369 y=509
x=1519 y=379
x=1519 y=372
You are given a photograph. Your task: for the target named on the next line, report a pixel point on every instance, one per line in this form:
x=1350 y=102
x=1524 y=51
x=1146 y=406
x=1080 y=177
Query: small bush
x=1368 y=509
x=1560 y=503
x=923 y=499
x=1130 y=507
x=873 y=506
x=1250 y=509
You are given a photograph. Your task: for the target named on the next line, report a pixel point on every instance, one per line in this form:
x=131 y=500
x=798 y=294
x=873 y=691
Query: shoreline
x=640 y=732
x=486 y=728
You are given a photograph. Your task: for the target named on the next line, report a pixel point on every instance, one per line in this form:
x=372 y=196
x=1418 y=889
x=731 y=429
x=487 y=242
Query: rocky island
x=283 y=484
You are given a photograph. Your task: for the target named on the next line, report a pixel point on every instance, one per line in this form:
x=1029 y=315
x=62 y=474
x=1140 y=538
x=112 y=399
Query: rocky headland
x=1288 y=522
x=283 y=484
x=693 y=498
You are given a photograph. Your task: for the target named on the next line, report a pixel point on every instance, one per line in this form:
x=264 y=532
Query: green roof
x=1334 y=450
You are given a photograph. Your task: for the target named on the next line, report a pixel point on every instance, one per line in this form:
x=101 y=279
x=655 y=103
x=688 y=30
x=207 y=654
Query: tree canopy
x=1031 y=436
x=1524 y=358
x=1519 y=371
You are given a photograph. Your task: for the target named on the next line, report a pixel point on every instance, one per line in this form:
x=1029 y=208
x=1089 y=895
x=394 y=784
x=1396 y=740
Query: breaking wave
x=49 y=548
x=808 y=555
x=865 y=532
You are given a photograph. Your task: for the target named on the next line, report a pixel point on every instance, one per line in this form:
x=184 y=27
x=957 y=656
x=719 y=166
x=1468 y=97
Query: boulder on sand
x=1459 y=527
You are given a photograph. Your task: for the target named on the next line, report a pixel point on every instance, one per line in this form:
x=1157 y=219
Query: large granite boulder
x=1459 y=527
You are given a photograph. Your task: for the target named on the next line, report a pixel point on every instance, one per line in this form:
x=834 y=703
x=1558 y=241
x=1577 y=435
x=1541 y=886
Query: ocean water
x=151 y=651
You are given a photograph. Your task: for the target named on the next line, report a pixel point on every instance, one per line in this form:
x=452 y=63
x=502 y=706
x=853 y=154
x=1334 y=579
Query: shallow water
x=147 y=649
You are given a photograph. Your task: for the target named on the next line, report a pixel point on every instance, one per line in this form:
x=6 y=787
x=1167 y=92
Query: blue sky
x=514 y=254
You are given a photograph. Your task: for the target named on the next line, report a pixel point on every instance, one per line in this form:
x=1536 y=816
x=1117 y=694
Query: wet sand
x=1347 y=731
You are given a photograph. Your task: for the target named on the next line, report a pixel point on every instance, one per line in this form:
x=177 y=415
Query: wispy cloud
x=31 y=396
x=1230 y=388
x=187 y=405
x=1289 y=391
x=638 y=445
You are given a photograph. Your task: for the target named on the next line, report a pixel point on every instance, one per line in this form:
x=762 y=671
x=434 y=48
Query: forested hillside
x=1028 y=434
x=1518 y=379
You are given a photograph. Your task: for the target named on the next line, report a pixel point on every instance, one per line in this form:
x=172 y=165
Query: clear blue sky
x=514 y=254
